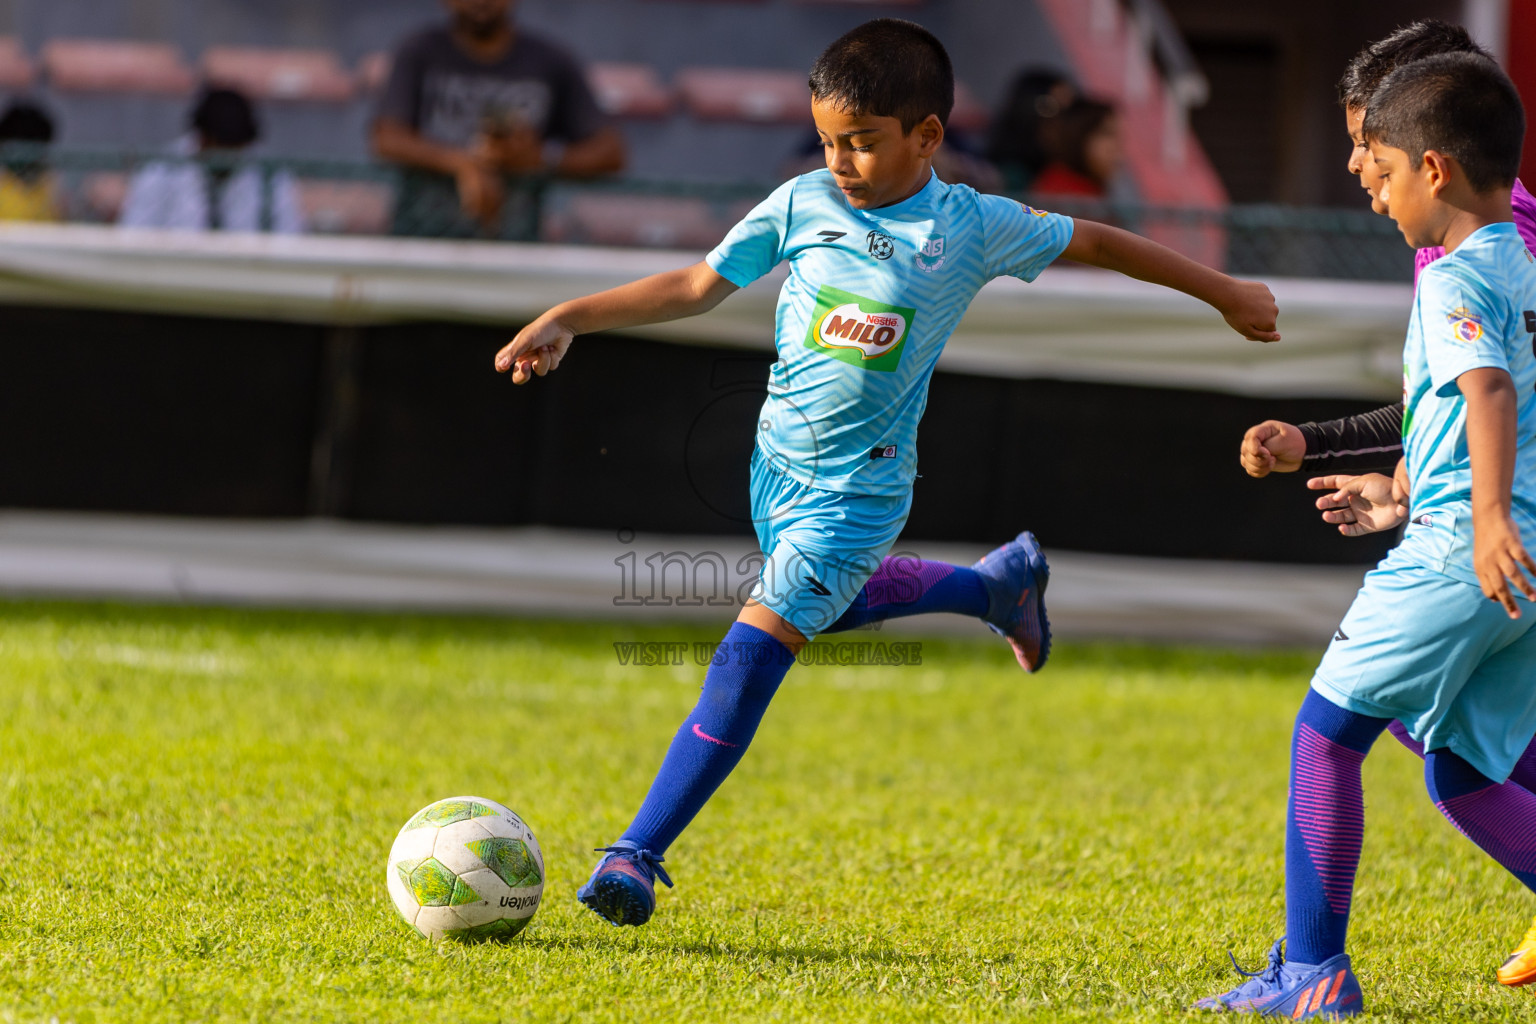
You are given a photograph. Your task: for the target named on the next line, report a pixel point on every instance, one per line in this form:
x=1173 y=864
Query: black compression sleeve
x=1366 y=443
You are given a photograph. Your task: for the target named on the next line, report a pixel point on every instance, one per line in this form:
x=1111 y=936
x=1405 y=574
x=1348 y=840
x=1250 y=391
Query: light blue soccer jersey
x=871 y=299
x=1474 y=308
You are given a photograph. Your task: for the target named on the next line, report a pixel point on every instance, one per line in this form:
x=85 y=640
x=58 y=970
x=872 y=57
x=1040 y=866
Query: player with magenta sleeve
x=883 y=260
x=1440 y=636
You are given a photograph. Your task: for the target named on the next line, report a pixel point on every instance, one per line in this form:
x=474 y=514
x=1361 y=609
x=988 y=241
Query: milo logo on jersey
x=858 y=331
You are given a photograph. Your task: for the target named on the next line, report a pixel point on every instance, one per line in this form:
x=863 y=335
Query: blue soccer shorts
x=1438 y=656
x=819 y=546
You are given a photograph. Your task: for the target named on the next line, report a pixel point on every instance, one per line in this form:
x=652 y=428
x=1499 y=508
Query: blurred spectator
x=477 y=99
x=1083 y=143
x=27 y=188
x=209 y=188
x=1016 y=147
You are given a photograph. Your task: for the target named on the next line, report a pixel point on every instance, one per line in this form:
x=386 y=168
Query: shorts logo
x=887 y=451
x=1339 y=634
x=817 y=587
x=1466 y=326
x=858 y=331
x=930 y=255
x=881 y=246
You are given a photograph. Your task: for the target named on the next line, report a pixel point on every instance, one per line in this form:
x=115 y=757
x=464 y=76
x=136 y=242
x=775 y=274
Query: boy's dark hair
x=25 y=122
x=1424 y=38
x=887 y=68
x=225 y=118
x=1459 y=104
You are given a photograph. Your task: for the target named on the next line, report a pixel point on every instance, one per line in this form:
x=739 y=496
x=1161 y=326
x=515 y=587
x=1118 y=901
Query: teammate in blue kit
x=884 y=259
x=1440 y=636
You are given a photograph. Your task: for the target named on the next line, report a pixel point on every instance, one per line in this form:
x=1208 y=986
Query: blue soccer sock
x=1523 y=774
x=740 y=682
x=1501 y=819
x=904 y=586
x=1325 y=823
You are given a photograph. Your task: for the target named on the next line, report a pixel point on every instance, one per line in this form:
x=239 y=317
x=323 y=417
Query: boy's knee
x=1448 y=775
x=1338 y=725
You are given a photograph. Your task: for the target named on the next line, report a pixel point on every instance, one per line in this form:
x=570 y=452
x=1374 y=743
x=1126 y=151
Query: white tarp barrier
x=1342 y=339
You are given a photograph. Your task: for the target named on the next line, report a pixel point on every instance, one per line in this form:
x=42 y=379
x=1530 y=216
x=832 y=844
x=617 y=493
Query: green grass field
x=197 y=806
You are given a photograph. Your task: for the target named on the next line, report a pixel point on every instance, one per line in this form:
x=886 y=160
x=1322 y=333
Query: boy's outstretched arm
x=539 y=347
x=1497 y=552
x=1247 y=305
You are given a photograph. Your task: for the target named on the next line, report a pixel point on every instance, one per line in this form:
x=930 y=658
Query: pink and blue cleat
x=1016 y=577
x=1326 y=991
x=622 y=889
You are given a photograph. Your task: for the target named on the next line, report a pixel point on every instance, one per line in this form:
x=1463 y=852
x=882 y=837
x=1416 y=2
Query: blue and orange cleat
x=1296 y=991
x=1520 y=968
x=1016 y=577
x=622 y=889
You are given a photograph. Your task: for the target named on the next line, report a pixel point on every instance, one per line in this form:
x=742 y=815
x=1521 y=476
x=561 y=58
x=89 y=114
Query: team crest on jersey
x=881 y=245
x=858 y=331
x=1466 y=326
x=930 y=254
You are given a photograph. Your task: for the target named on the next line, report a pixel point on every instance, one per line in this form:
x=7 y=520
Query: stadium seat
x=373 y=70
x=16 y=68
x=658 y=222
x=630 y=90
x=112 y=66
x=731 y=94
x=346 y=207
x=299 y=75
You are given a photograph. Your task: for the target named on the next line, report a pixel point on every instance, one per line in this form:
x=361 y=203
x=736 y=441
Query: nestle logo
x=886 y=321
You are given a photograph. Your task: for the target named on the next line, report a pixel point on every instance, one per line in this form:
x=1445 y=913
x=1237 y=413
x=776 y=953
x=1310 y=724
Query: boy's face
x=1412 y=194
x=1361 y=163
x=873 y=161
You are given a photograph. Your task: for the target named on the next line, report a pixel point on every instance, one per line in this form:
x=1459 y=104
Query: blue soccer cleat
x=1295 y=991
x=1016 y=577
x=622 y=889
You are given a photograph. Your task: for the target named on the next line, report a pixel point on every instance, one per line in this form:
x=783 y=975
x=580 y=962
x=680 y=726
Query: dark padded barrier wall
x=141 y=413
x=408 y=423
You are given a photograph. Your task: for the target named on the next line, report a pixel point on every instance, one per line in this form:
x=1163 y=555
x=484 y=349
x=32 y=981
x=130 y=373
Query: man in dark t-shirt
x=474 y=101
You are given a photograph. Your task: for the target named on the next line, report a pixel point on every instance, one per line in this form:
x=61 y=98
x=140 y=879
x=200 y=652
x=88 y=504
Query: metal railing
x=338 y=197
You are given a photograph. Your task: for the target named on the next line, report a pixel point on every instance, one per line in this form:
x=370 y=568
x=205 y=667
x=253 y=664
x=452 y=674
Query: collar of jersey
x=1489 y=234
x=915 y=199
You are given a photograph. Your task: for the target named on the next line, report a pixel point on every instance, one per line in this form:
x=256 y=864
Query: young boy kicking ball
x=1423 y=644
x=884 y=258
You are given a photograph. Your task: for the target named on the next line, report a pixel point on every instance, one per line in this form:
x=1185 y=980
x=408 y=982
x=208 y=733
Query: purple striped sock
x=1399 y=732
x=1501 y=819
x=904 y=585
x=1325 y=825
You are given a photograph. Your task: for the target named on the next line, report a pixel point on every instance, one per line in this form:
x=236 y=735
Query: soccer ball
x=466 y=868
